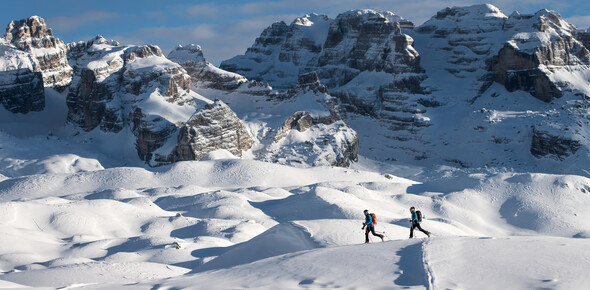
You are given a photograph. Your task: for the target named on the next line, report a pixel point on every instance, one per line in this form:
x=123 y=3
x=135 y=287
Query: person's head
x=412 y=209
x=366 y=211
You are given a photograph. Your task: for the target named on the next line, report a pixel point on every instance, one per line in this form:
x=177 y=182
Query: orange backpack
x=373 y=218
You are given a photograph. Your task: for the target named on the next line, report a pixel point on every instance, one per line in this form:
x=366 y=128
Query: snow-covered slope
x=116 y=227
x=498 y=169
x=131 y=98
x=487 y=69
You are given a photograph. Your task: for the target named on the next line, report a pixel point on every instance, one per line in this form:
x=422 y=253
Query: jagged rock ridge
x=408 y=88
x=111 y=88
x=362 y=56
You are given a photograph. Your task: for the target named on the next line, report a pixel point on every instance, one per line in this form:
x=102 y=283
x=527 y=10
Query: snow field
x=232 y=220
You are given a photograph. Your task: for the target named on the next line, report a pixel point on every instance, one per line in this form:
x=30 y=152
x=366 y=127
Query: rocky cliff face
x=32 y=35
x=527 y=61
x=214 y=127
x=117 y=87
x=109 y=78
x=203 y=73
x=520 y=52
x=30 y=53
x=21 y=82
x=337 y=49
x=478 y=52
x=363 y=57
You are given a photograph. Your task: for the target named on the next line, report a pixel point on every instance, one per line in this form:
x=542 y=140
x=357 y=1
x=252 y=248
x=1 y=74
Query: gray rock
x=21 y=83
x=203 y=73
x=32 y=35
x=546 y=145
x=214 y=127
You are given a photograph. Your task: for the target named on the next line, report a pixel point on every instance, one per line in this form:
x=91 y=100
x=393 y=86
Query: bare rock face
x=518 y=51
x=32 y=35
x=526 y=63
x=584 y=37
x=521 y=71
x=214 y=127
x=203 y=73
x=362 y=57
x=365 y=41
x=106 y=72
x=546 y=145
x=117 y=87
x=21 y=83
x=318 y=137
x=337 y=49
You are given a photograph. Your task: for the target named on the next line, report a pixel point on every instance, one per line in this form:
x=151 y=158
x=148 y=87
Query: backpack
x=419 y=215
x=373 y=218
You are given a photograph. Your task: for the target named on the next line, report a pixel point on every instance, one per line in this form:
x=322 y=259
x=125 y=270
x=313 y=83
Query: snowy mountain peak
x=310 y=19
x=368 y=15
x=474 y=12
x=549 y=19
x=31 y=32
x=182 y=54
x=32 y=35
x=99 y=39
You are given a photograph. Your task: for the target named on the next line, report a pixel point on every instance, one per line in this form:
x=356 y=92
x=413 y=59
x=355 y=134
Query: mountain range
x=124 y=167
x=470 y=87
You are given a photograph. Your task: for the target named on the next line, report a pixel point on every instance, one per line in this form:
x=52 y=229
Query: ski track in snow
x=80 y=211
x=229 y=219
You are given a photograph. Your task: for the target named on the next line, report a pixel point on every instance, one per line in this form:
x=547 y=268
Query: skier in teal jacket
x=416 y=223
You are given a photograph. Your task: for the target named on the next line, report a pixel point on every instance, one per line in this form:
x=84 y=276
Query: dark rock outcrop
x=21 y=83
x=521 y=71
x=546 y=145
x=214 y=127
x=527 y=63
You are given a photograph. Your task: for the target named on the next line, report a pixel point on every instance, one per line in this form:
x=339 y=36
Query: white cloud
x=204 y=10
x=66 y=24
x=579 y=21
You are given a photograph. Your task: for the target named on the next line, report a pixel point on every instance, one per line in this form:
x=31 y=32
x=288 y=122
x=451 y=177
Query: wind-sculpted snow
x=507 y=207
x=242 y=216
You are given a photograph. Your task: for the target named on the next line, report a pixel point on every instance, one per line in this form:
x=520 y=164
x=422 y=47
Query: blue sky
x=227 y=28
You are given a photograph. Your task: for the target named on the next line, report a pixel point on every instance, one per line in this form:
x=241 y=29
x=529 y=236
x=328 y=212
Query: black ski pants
x=372 y=230
x=419 y=228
